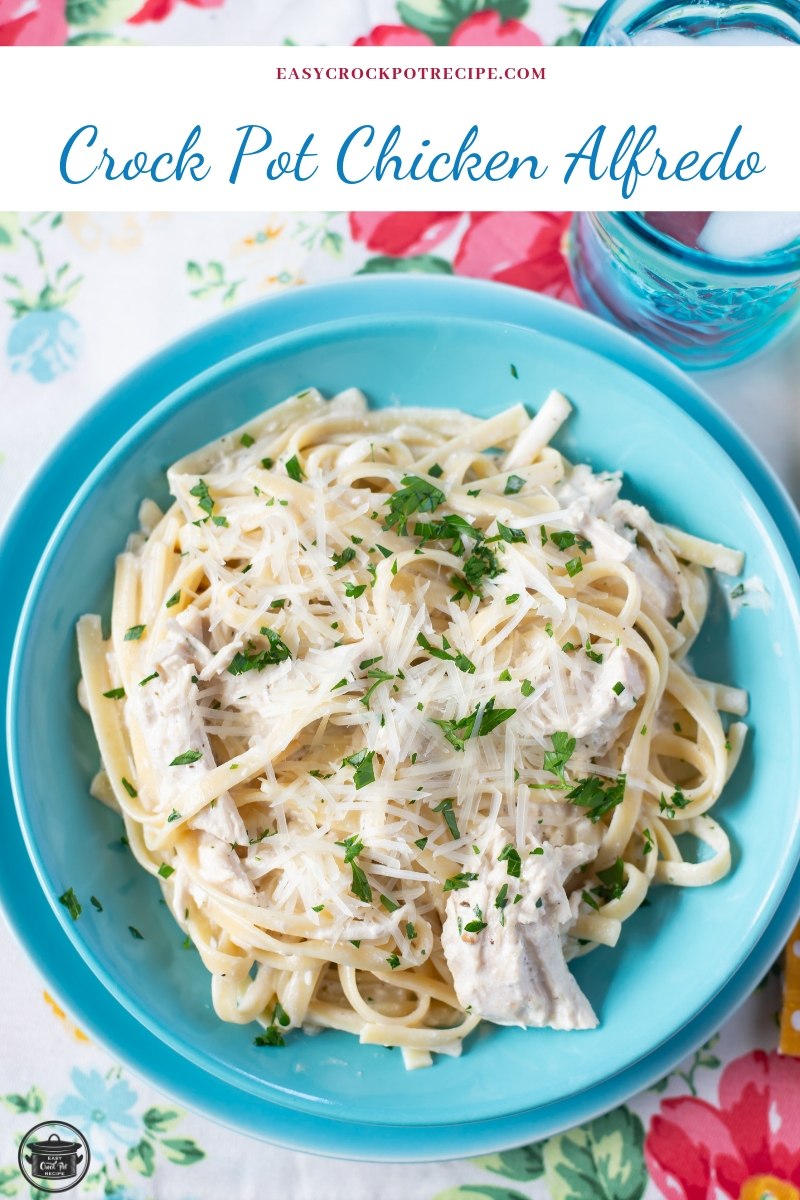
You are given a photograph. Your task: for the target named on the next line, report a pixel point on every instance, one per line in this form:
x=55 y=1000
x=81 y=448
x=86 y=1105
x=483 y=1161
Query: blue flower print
x=45 y=343
x=102 y=1112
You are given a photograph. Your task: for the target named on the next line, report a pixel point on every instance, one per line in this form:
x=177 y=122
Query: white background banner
x=206 y=128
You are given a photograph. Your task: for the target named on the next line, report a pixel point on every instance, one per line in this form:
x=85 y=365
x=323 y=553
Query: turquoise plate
x=711 y=945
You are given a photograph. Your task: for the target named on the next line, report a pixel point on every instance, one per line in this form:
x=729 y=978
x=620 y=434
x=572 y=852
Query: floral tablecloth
x=85 y=297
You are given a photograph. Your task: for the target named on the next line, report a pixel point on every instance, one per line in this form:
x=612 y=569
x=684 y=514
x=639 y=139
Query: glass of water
x=695 y=22
x=707 y=289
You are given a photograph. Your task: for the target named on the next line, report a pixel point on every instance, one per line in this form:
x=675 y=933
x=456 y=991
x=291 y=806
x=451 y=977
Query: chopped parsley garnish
x=648 y=840
x=355 y=943
x=567 y=647
x=446 y=809
x=362 y=762
x=386 y=553
x=352 y=848
x=548 y=629
x=589 y=793
x=613 y=880
x=203 y=499
x=501 y=901
x=538 y=850
x=135 y=933
x=174 y=816
x=341 y=683
x=71 y=903
x=318 y=908
x=341 y=560
x=174 y=599
x=566 y=538
x=539 y=902
x=411 y=932
x=574 y=566
x=115 y=694
x=388 y=903
x=513 y=598
x=416 y=495
x=134 y=633
x=555 y=760
x=246 y=440
x=737 y=591
x=270 y=1037
x=380 y=677
x=477 y=492
x=619 y=688
x=676 y=800
x=147 y=678
x=592 y=654
x=510 y=856
x=527 y=688
x=96 y=903
x=450 y=527
x=510 y=535
x=257 y=660
x=129 y=788
x=165 y=870
x=221 y=521
x=590 y=900
x=436 y=471
x=188 y=756
x=458 y=732
x=475 y=926
x=393 y=961
x=421 y=843
x=369 y=662
x=294 y=470
x=354 y=590
x=505 y=676
x=514 y=483
x=482 y=561
x=461 y=660
x=280 y=1015
x=456 y=882
x=514 y=371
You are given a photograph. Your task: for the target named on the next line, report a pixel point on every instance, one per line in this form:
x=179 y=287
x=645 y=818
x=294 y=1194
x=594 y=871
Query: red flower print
x=393 y=35
x=488 y=29
x=44 y=25
x=747 y=1148
x=521 y=248
x=402 y=233
x=157 y=10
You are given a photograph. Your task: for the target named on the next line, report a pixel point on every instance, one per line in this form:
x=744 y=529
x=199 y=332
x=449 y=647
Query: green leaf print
x=100 y=14
x=142 y=1158
x=525 y=1163
x=183 y=1151
x=212 y=282
x=9 y=230
x=11 y=1181
x=161 y=1120
x=479 y=1191
x=426 y=264
x=33 y=1102
x=602 y=1160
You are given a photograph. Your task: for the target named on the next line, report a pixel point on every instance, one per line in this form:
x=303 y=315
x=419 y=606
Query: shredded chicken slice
x=513 y=971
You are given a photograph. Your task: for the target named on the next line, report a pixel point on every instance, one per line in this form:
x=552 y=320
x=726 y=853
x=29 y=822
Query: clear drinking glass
x=699 y=308
x=698 y=22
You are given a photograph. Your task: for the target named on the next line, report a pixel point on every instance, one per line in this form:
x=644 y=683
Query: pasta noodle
x=389 y=692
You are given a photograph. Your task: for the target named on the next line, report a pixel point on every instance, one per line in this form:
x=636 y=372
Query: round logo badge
x=54 y=1156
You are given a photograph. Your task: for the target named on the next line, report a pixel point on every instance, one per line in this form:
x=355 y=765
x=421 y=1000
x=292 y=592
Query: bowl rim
x=624 y=363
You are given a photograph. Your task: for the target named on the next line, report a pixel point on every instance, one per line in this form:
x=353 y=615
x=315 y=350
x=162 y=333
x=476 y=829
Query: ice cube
x=735 y=235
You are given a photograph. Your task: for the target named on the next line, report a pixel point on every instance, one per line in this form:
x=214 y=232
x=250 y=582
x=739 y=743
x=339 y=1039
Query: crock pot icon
x=54 y=1156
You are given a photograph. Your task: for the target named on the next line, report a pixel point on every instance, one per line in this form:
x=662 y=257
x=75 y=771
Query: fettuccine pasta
x=396 y=708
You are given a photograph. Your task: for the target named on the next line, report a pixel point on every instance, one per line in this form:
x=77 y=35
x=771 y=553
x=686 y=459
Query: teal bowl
x=674 y=956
